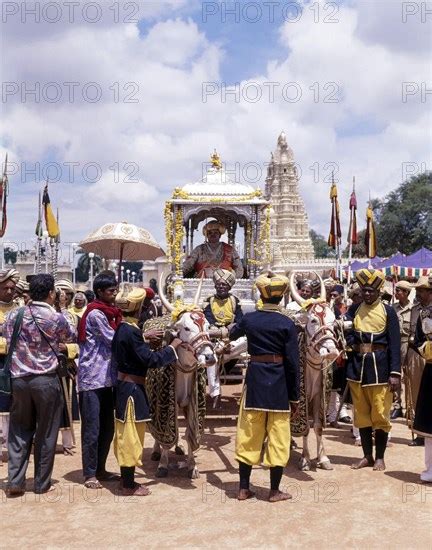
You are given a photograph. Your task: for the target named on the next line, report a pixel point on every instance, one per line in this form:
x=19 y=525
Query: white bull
x=321 y=351
x=192 y=328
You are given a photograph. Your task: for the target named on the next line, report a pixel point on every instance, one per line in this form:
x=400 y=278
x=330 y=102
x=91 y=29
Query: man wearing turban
x=271 y=387
x=213 y=254
x=132 y=357
x=222 y=311
x=8 y=282
x=374 y=367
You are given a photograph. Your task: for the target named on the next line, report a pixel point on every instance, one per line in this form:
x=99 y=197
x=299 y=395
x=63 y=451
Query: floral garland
x=178 y=239
x=168 y=229
x=181 y=194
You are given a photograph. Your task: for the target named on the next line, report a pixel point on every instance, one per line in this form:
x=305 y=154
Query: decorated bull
x=180 y=386
x=320 y=346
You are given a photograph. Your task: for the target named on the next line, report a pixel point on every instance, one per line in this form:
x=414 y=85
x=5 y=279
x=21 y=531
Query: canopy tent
x=413 y=266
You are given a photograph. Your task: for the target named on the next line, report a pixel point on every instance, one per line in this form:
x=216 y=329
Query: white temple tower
x=290 y=239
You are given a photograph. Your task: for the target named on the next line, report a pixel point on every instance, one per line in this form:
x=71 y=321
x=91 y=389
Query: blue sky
x=369 y=132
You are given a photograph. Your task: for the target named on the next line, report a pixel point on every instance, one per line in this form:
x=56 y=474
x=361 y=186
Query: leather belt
x=369 y=348
x=267 y=358
x=123 y=377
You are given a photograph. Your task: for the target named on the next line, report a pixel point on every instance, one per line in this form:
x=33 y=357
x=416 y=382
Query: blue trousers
x=97 y=428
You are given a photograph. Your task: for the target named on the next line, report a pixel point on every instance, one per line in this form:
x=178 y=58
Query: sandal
x=92 y=484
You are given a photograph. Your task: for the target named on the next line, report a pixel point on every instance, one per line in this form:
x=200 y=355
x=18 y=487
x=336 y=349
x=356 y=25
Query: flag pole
x=4 y=188
x=56 y=252
x=351 y=238
x=39 y=237
x=335 y=230
x=369 y=238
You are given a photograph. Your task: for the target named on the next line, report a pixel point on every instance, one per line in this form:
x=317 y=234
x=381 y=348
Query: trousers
x=97 y=428
x=372 y=406
x=36 y=411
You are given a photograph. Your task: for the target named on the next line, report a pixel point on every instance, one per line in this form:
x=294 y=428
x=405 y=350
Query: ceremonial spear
x=352 y=233
x=4 y=189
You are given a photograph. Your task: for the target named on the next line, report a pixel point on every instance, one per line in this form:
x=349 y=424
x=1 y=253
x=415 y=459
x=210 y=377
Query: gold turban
x=370 y=277
x=271 y=285
x=66 y=285
x=6 y=274
x=224 y=275
x=214 y=224
x=22 y=286
x=424 y=282
x=130 y=301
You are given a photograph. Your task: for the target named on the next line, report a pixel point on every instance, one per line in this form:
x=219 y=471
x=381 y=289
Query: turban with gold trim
x=271 y=285
x=12 y=274
x=22 y=286
x=224 y=275
x=66 y=285
x=214 y=224
x=370 y=277
x=130 y=301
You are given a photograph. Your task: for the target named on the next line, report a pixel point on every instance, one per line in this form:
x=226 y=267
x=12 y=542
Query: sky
x=119 y=102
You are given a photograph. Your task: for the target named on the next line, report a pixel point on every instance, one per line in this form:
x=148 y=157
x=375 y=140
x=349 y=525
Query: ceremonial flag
x=335 y=228
x=39 y=229
x=50 y=220
x=370 y=237
x=4 y=189
x=352 y=233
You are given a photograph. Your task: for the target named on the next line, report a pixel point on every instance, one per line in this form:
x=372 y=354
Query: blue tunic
x=131 y=355
x=270 y=386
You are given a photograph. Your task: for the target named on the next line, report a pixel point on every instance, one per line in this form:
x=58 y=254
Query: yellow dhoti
x=372 y=406
x=253 y=427
x=129 y=438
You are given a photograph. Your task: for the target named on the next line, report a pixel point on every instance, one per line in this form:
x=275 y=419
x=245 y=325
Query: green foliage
x=321 y=248
x=404 y=217
x=10 y=255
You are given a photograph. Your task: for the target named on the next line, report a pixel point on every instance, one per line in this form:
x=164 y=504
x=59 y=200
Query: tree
x=83 y=268
x=404 y=217
x=321 y=248
x=10 y=255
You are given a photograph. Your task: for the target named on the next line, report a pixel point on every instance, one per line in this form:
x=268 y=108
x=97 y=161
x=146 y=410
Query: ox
x=182 y=386
x=320 y=350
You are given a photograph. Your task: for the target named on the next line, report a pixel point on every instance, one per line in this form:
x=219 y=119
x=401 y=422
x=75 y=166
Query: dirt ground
x=330 y=509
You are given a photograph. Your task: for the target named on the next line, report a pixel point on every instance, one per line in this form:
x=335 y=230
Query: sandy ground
x=330 y=509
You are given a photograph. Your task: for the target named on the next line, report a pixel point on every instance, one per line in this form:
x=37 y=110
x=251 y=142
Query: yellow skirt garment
x=372 y=406
x=253 y=427
x=129 y=438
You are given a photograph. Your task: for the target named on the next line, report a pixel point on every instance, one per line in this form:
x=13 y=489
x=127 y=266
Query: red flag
x=370 y=237
x=352 y=233
x=335 y=228
x=4 y=190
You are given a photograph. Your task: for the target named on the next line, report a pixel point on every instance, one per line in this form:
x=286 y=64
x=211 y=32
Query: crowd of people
x=76 y=355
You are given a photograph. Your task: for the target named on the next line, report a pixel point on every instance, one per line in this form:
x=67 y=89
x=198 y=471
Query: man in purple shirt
x=37 y=401
x=96 y=379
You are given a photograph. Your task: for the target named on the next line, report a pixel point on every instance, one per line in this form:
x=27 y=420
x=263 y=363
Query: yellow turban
x=214 y=224
x=6 y=274
x=225 y=276
x=130 y=301
x=370 y=277
x=272 y=286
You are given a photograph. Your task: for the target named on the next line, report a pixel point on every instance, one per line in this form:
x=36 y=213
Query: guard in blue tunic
x=132 y=357
x=374 y=367
x=271 y=388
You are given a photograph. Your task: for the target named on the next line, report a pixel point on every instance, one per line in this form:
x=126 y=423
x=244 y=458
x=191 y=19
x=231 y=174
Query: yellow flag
x=50 y=220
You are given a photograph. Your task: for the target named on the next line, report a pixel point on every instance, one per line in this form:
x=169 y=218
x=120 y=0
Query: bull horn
x=294 y=291
x=198 y=292
x=322 y=289
x=169 y=307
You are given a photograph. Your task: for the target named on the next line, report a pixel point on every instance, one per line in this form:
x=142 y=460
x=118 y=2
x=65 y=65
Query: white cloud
x=170 y=132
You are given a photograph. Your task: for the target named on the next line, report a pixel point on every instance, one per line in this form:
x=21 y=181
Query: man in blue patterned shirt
x=36 y=393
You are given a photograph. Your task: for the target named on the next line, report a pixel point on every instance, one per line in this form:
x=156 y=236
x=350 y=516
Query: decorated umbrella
x=122 y=241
